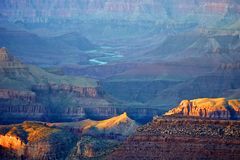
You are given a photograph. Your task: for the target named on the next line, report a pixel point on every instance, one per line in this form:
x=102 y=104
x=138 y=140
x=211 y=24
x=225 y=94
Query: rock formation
x=182 y=138
x=32 y=140
x=98 y=138
x=9 y=65
x=4 y=55
x=119 y=126
x=218 y=108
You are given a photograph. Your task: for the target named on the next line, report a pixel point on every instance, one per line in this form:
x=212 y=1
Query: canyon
x=126 y=79
x=31 y=93
x=167 y=48
x=196 y=129
x=172 y=136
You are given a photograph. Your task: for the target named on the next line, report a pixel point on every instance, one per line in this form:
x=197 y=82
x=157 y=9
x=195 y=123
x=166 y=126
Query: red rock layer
x=185 y=139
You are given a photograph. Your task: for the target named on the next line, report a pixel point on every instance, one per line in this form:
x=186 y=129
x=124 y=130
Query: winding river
x=104 y=55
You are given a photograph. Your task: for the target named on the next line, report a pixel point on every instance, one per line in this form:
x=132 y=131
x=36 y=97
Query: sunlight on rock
x=207 y=107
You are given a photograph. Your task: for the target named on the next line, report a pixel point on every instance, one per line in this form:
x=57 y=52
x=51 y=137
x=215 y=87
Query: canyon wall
x=180 y=138
x=15 y=94
x=35 y=11
x=121 y=18
x=79 y=91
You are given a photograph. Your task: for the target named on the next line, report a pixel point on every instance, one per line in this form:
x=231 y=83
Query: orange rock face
x=32 y=140
x=12 y=142
x=219 y=108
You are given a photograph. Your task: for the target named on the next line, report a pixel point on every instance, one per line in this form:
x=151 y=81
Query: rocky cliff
x=173 y=138
x=133 y=10
x=124 y=17
x=32 y=140
x=218 y=108
x=15 y=94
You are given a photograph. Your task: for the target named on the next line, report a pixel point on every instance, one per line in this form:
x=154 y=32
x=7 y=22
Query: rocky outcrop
x=235 y=108
x=13 y=143
x=9 y=65
x=120 y=125
x=174 y=138
x=218 y=108
x=116 y=127
x=4 y=55
x=31 y=140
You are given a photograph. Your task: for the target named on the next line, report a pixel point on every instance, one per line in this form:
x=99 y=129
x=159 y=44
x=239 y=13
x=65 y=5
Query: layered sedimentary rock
x=80 y=91
x=15 y=94
x=133 y=10
x=30 y=109
x=180 y=138
x=32 y=140
x=218 y=108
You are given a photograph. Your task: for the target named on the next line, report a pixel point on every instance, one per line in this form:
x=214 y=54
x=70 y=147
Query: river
x=104 y=55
